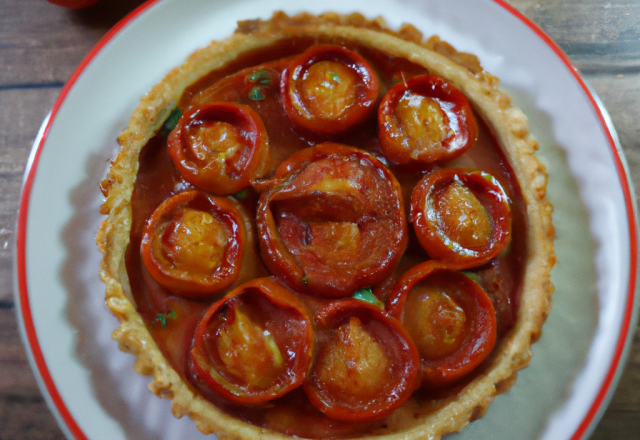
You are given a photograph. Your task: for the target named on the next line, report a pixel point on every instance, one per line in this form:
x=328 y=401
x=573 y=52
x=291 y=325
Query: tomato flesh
x=193 y=243
x=366 y=364
x=220 y=147
x=328 y=91
x=423 y=120
x=333 y=223
x=449 y=316
x=461 y=216
x=255 y=344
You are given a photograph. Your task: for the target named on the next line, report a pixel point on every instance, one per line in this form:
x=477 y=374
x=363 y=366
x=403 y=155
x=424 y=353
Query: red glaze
x=199 y=232
x=425 y=119
x=332 y=221
x=327 y=90
x=254 y=345
x=449 y=317
x=366 y=364
x=219 y=147
x=461 y=216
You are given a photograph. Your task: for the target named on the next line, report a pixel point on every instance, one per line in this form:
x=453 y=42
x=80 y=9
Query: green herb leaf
x=334 y=76
x=171 y=122
x=162 y=319
x=474 y=276
x=260 y=75
x=367 y=295
x=256 y=94
x=241 y=195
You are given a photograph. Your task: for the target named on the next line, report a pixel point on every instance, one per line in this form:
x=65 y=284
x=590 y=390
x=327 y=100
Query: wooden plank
x=43 y=43
x=23 y=413
x=18 y=130
x=597 y=36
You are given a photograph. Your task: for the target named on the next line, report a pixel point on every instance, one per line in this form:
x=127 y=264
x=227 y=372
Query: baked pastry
x=323 y=228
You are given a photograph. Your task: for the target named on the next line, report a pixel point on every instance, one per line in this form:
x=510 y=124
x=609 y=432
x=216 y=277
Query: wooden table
x=41 y=45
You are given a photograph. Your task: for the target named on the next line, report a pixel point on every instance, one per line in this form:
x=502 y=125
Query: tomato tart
x=320 y=227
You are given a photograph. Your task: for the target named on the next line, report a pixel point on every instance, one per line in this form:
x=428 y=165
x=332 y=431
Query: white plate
x=89 y=384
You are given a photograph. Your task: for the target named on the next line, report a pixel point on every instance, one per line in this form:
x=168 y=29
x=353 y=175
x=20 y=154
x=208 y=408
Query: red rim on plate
x=28 y=330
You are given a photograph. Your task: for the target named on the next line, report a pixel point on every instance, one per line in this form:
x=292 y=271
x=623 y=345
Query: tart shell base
x=417 y=418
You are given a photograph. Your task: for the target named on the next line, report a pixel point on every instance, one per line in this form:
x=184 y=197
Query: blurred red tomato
x=73 y=4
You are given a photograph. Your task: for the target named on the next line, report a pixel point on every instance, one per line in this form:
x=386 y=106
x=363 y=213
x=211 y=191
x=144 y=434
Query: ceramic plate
x=90 y=385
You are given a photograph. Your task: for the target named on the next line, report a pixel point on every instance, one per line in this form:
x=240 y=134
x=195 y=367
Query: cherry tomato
x=73 y=4
x=450 y=319
x=328 y=90
x=366 y=364
x=193 y=243
x=332 y=222
x=219 y=147
x=425 y=119
x=254 y=345
x=461 y=216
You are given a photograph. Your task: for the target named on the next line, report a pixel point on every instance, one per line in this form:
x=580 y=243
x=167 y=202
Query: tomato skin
x=480 y=331
x=431 y=233
x=399 y=147
x=215 y=172
x=396 y=342
x=164 y=217
x=73 y=4
x=371 y=208
x=292 y=329
x=299 y=108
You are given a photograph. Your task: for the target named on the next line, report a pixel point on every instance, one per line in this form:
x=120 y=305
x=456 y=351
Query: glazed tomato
x=366 y=364
x=450 y=319
x=328 y=90
x=332 y=222
x=255 y=344
x=219 y=147
x=193 y=243
x=461 y=216
x=73 y=4
x=425 y=119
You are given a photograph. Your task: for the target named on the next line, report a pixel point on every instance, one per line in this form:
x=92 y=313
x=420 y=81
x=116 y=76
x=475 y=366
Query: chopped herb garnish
x=256 y=94
x=241 y=195
x=367 y=295
x=260 y=75
x=162 y=318
x=171 y=122
x=474 y=276
x=334 y=76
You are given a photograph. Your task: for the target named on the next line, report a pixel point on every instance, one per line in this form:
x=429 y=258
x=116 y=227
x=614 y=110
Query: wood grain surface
x=42 y=44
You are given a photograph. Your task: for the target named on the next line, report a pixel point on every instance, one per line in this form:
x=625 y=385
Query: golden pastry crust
x=508 y=124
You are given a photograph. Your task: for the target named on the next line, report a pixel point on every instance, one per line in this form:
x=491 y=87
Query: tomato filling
x=329 y=222
x=194 y=243
x=424 y=120
x=436 y=323
x=335 y=225
x=220 y=147
x=328 y=89
x=255 y=344
x=462 y=217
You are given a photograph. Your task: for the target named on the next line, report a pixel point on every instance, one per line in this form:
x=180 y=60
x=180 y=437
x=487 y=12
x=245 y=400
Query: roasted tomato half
x=425 y=119
x=332 y=222
x=193 y=243
x=450 y=319
x=219 y=147
x=366 y=364
x=461 y=216
x=255 y=344
x=328 y=90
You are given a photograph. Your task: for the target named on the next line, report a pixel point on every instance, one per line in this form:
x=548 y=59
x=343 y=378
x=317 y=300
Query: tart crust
x=507 y=123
